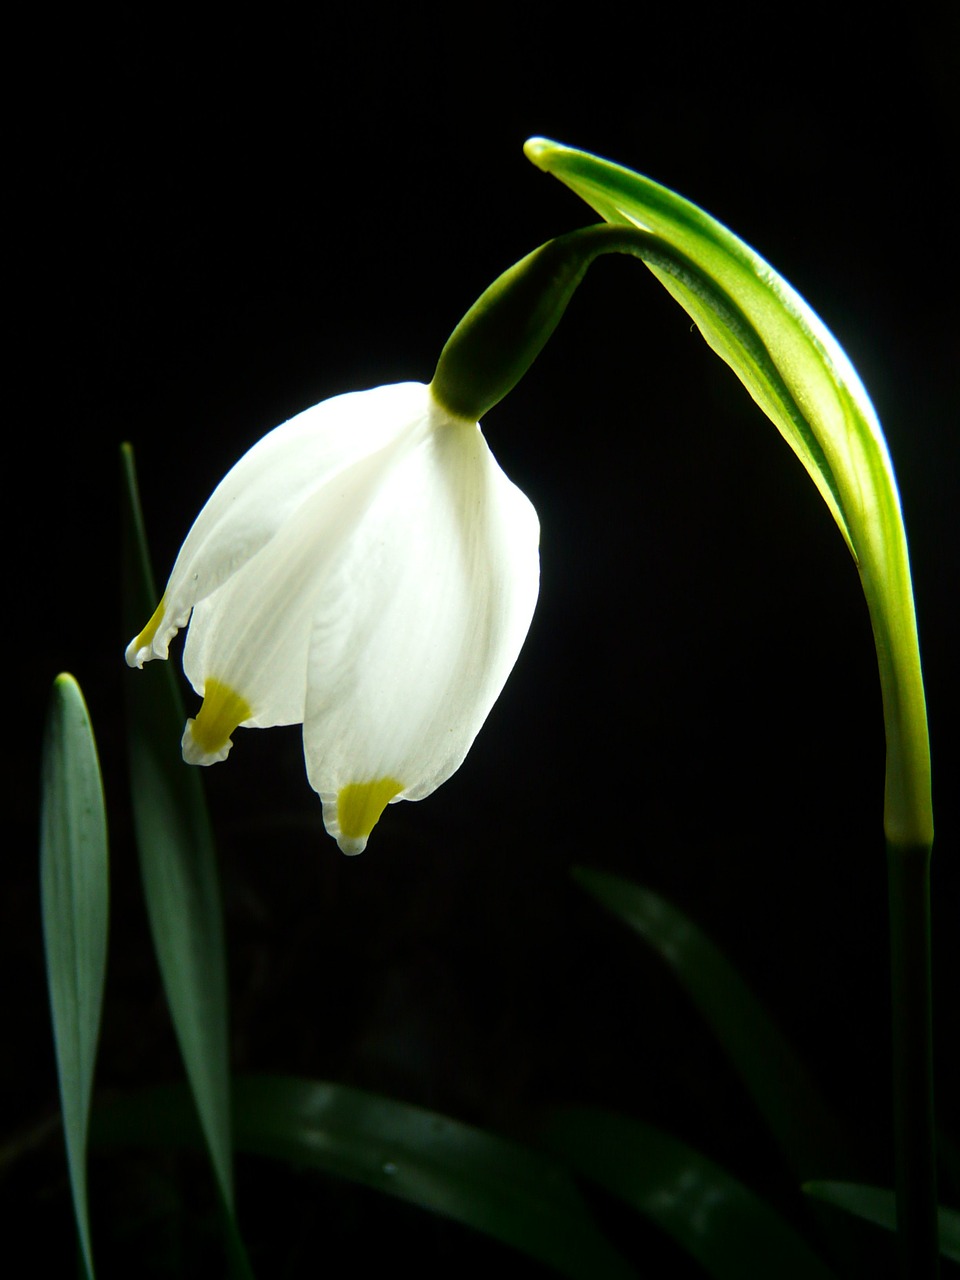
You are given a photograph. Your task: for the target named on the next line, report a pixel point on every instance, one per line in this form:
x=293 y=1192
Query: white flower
x=368 y=570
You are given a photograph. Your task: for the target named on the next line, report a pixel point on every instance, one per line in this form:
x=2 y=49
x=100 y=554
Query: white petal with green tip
x=366 y=569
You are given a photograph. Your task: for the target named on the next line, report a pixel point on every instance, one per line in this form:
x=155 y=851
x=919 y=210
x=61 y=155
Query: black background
x=215 y=229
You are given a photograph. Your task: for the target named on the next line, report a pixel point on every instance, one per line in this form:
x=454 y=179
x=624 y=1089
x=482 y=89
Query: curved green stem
x=826 y=418
x=797 y=372
x=908 y=871
x=844 y=452
x=508 y=326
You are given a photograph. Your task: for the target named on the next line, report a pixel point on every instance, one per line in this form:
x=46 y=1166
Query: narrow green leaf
x=497 y=1187
x=801 y=378
x=807 y=1134
x=878 y=1205
x=74 y=884
x=177 y=864
x=713 y=1217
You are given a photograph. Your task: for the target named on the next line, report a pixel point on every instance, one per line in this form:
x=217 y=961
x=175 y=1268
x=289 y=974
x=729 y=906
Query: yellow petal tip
x=207 y=740
x=359 y=806
x=141 y=648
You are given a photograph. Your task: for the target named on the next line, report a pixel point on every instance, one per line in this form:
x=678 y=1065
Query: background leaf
x=507 y=1191
x=178 y=867
x=878 y=1205
x=74 y=876
x=713 y=1217
x=808 y=1135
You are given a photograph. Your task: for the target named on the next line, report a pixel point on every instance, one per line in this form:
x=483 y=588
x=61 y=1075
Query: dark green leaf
x=878 y=1205
x=806 y=1133
x=714 y=1218
x=74 y=879
x=177 y=862
x=505 y=1190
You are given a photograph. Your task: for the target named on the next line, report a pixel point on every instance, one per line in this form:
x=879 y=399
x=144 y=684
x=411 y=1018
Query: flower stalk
x=800 y=376
x=908 y=879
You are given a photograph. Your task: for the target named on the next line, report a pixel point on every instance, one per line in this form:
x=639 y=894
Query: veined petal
x=207 y=739
x=252 y=635
x=257 y=498
x=417 y=627
x=369 y=570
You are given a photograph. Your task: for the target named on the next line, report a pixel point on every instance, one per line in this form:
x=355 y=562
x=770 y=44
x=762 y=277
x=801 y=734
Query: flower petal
x=269 y=483
x=417 y=627
x=252 y=635
x=369 y=570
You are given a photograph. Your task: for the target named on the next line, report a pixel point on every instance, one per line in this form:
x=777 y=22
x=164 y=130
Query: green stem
x=908 y=869
x=780 y=353
x=508 y=326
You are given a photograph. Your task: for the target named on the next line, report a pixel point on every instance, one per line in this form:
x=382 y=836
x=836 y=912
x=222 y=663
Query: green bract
x=799 y=375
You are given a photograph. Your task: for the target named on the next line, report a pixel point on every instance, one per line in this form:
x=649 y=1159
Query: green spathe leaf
x=178 y=864
x=74 y=881
x=729 y=1230
x=878 y=1205
x=800 y=376
x=467 y=1174
x=807 y=1134
x=485 y=1182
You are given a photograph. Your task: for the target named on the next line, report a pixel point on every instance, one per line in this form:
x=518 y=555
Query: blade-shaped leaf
x=807 y=1134
x=485 y=1182
x=177 y=864
x=712 y=1216
x=801 y=378
x=74 y=878
x=878 y=1205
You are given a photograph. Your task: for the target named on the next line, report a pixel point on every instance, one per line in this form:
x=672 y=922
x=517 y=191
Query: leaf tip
x=66 y=691
x=537 y=150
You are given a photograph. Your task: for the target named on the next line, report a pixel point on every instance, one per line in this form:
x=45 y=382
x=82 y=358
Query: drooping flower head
x=366 y=570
